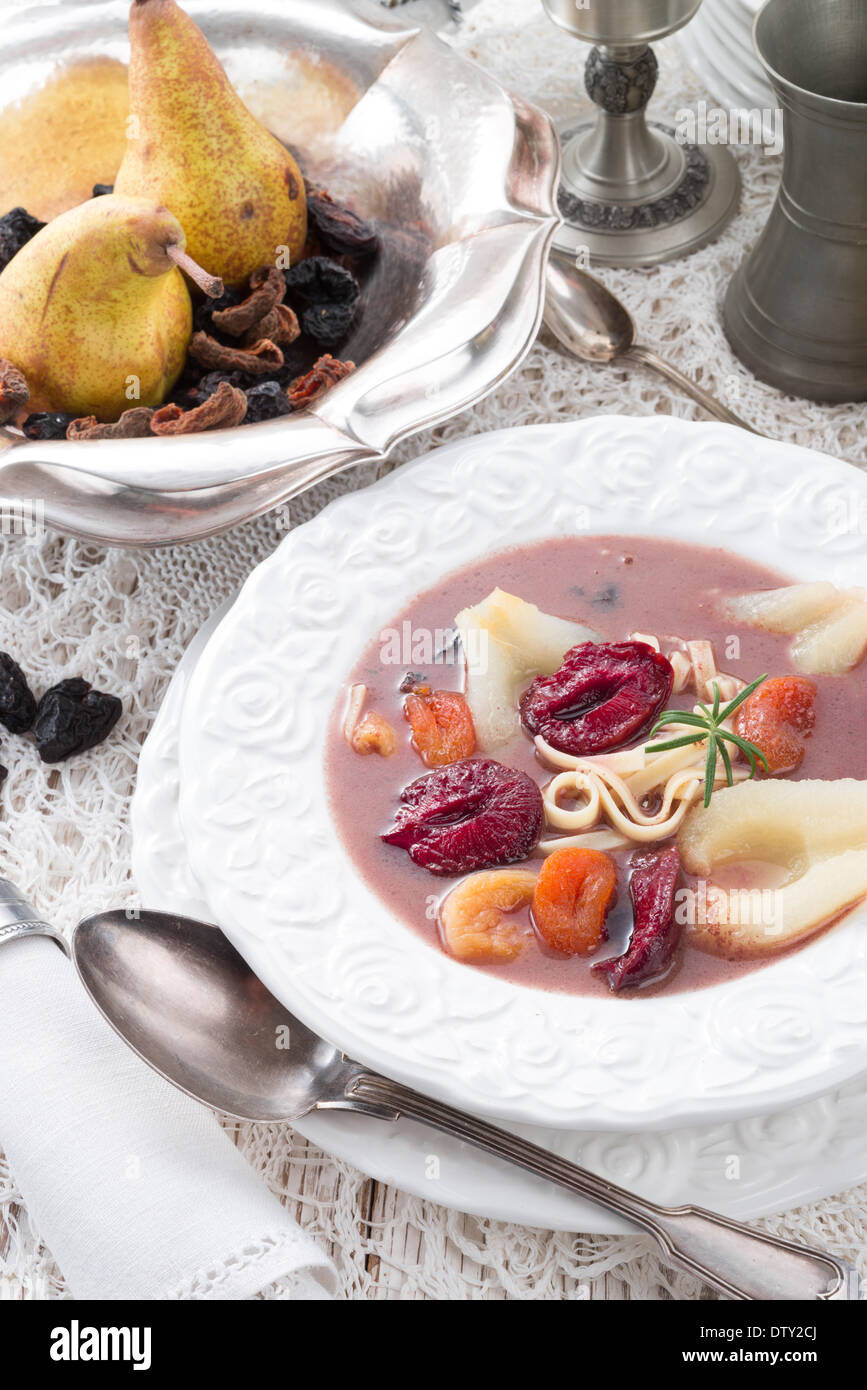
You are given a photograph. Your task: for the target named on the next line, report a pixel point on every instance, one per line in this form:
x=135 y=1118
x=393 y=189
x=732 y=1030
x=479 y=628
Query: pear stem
x=211 y=284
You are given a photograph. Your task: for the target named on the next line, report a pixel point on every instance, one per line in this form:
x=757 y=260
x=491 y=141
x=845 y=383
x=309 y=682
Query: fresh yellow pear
x=195 y=147
x=95 y=312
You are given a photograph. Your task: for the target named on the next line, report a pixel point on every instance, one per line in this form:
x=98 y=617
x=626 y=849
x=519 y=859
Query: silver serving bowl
x=459 y=174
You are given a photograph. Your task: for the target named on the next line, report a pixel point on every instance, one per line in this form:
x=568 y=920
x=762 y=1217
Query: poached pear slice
x=784 y=610
x=816 y=831
x=829 y=624
x=837 y=643
x=507 y=642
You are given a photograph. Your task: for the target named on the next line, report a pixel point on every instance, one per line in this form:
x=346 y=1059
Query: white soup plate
x=262 y=841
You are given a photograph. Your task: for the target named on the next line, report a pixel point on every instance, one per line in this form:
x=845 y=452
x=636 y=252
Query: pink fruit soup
x=617 y=586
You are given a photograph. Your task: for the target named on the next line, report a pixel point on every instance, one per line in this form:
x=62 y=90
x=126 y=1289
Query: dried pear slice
x=506 y=641
x=837 y=643
x=785 y=610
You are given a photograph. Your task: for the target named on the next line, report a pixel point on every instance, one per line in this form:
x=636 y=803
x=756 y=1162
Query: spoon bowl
x=591 y=323
x=584 y=315
x=203 y=1020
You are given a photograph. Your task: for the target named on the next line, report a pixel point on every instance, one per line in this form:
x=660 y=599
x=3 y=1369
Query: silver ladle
x=187 y=1003
x=591 y=323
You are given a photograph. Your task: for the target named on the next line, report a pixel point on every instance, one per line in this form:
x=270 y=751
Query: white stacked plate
x=718 y=45
x=231 y=824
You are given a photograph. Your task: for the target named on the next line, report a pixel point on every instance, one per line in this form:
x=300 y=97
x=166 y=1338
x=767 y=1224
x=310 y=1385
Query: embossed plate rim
x=361 y=978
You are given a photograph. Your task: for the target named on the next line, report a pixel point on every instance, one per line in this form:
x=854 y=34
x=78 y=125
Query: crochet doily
x=123 y=618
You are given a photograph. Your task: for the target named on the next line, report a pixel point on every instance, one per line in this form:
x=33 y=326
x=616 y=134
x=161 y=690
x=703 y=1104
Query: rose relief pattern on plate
x=257 y=824
x=688 y=1165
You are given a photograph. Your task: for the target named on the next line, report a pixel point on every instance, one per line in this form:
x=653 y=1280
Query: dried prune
x=101 y=189
x=47 y=424
x=655 y=932
x=331 y=295
x=327 y=324
x=267 y=401
x=72 y=717
x=16 y=229
x=322 y=281
x=604 y=695
x=210 y=382
x=340 y=229
x=17 y=701
x=469 y=815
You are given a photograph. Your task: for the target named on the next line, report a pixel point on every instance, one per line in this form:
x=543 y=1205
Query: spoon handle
x=18 y=918
x=738 y=1261
x=639 y=353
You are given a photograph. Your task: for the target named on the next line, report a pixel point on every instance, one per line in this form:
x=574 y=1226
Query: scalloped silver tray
x=461 y=177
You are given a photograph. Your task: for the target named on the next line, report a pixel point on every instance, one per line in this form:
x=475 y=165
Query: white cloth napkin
x=134 y=1188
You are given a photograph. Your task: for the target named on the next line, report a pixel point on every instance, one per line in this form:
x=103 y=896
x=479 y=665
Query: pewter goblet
x=631 y=192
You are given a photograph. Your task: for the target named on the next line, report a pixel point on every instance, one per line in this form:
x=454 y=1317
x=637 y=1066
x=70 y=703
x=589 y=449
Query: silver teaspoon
x=186 y=1001
x=591 y=323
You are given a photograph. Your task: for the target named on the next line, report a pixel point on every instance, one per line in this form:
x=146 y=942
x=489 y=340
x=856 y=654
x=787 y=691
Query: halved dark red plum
x=655 y=932
x=604 y=695
x=469 y=815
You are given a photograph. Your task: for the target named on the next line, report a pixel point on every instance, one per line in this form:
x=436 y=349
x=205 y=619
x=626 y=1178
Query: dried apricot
x=575 y=891
x=777 y=718
x=442 y=726
x=473 y=916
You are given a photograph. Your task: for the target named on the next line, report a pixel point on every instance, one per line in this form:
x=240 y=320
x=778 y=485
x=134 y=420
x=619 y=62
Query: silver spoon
x=592 y=324
x=186 y=1001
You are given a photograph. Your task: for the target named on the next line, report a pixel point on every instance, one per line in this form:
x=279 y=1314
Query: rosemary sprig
x=709 y=725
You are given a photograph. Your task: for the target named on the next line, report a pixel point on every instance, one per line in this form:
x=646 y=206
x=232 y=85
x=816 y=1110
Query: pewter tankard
x=796 y=311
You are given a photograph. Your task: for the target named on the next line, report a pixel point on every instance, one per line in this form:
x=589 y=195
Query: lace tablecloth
x=123 y=619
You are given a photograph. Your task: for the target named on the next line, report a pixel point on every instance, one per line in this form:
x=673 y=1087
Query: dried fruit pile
x=255 y=354
x=70 y=717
